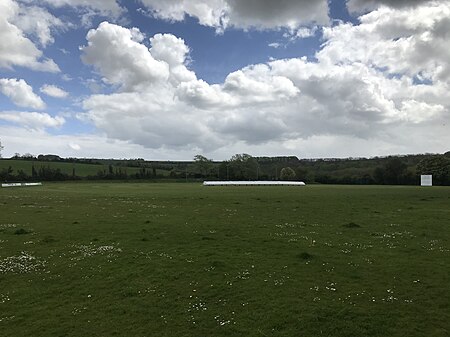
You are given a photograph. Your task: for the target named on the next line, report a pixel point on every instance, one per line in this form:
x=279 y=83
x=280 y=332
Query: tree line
x=393 y=170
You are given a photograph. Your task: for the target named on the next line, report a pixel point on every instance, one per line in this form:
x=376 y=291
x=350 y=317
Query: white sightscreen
x=426 y=180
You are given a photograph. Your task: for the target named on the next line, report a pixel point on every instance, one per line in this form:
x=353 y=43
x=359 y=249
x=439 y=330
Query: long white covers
x=253 y=183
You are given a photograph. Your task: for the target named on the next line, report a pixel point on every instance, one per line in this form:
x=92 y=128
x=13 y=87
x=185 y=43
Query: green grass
x=187 y=260
x=81 y=170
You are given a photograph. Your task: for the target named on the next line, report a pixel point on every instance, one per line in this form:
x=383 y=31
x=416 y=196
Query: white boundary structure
x=21 y=184
x=426 y=180
x=253 y=183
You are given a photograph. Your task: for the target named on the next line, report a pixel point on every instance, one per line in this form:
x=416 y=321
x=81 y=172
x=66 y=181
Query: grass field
x=81 y=170
x=187 y=260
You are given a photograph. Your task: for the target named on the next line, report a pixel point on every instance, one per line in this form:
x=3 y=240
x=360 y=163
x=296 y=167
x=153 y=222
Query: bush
x=287 y=173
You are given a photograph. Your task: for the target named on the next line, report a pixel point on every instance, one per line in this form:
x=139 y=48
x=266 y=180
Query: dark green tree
x=394 y=171
x=22 y=176
x=243 y=167
x=378 y=175
x=6 y=174
x=33 y=172
x=301 y=173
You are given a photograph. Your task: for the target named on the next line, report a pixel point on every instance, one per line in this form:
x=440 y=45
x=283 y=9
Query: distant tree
x=48 y=157
x=366 y=179
x=240 y=157
x=378 y=175
x=287 y=173
x=202 y=165
x=223 y=170
x=301 y=173
x=28 y=156
x=48 y=173
x=7 y=174
x=394 y=171
x=243 y=167
x=22 y=176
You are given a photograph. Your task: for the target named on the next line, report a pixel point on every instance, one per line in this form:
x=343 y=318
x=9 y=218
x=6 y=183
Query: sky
x=166 y=80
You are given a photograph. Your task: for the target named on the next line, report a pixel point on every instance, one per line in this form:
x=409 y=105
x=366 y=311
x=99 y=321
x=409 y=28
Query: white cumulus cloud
x=39 y=23
x=53 y=91
x=412 y=41
x=380 y=83
x=86 y=9
x=20 y=93
x=120 y=59
x=359 y=6
x=104 y=7
x=15 y=48
x=169 y=49
x=32 y=120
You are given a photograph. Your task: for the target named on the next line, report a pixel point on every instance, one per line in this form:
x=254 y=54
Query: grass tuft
x=21 y=231
x=351 y=225
x=49 y=239
x=305 y=256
